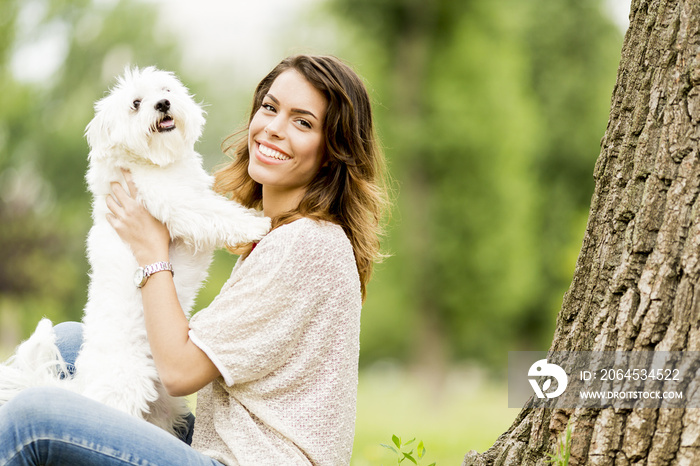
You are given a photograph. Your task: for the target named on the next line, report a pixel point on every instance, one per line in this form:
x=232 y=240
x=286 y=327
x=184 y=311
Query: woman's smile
x=269 y=151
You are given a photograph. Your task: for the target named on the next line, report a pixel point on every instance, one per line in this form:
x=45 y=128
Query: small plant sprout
x=563 y=449
x=402 y=452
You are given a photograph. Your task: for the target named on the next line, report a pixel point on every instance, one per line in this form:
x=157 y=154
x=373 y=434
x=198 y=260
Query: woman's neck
x=276 y=203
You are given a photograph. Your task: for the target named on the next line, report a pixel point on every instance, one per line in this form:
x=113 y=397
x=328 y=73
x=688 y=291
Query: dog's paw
x=251 y=230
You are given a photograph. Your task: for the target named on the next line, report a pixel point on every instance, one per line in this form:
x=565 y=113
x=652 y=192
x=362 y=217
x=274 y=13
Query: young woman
x=274 y=357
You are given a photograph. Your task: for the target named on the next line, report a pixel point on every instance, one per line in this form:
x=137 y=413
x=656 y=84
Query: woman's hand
x=148 y=238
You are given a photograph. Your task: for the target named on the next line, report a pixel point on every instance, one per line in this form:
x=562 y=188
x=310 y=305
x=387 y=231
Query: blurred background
x=490 y=113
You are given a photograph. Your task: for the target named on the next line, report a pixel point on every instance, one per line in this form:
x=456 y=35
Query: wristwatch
x=142 y=273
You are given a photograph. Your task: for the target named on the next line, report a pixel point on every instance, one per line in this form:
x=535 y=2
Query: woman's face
x=286 y=138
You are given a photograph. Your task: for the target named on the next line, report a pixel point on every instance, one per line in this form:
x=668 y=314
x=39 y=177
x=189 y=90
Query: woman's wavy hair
x=350 y=188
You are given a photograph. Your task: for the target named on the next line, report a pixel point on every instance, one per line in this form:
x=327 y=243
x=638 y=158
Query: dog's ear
x=188 y=110
x=97 y=133
x=195 y=121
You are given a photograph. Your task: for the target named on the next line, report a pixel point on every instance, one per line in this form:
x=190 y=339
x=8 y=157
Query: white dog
x=147 y=124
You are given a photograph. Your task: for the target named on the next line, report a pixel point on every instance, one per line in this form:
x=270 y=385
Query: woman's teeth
x=268 y=152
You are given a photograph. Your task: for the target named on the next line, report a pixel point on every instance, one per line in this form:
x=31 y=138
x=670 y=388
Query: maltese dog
x=148 y=124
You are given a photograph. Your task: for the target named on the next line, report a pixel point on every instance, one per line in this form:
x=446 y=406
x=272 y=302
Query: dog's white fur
x=114 y=365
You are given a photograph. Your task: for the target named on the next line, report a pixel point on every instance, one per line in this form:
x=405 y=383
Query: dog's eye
x=136 y=104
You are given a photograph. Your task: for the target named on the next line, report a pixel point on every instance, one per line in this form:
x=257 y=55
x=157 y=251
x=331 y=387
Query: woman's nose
x=275 y=128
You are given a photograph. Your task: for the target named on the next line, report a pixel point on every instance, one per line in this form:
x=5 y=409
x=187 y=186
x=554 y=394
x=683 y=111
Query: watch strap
x=158 y=267
x=142 y=273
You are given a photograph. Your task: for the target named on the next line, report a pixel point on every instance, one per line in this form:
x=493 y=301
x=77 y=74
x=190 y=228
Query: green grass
x=466 y=412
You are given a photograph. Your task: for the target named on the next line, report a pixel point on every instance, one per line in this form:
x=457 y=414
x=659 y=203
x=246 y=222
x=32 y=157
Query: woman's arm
x=182 y=366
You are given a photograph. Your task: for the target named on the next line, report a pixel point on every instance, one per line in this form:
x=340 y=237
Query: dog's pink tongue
x=167 y=123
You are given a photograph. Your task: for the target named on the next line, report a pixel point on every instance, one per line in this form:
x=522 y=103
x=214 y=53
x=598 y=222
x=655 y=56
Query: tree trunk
x=637 y=280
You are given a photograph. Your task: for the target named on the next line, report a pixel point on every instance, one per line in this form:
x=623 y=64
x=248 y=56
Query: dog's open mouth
x=165 y=124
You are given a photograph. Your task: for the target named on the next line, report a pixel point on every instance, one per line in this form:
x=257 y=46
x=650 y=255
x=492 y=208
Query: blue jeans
x=53 y=426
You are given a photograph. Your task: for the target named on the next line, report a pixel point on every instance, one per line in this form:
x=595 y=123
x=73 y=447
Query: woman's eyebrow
x=294 y=110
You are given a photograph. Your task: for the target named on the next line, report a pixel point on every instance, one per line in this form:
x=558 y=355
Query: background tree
x=638 y=274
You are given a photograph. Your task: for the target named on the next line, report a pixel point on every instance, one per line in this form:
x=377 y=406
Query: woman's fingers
x=113 y=205
x=129 y=182
x=147 y=237
x=119 y=203
x=119 y=193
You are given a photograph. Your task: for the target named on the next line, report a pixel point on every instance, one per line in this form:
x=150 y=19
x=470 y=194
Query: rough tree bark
x=637 y=280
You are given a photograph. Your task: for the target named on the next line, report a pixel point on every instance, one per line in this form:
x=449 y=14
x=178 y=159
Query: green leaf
x=410 y=458
x=409 y=442
x=396 y=440
x=421 y=449
x=389 y=447
x=431 y=464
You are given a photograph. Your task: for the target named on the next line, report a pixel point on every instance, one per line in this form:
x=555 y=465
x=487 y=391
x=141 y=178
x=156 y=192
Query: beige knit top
x=284 y=333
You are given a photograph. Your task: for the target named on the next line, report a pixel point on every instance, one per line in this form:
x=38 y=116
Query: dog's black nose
x=163 y=105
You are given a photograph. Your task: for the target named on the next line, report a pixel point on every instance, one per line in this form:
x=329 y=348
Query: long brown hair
x=349 y=189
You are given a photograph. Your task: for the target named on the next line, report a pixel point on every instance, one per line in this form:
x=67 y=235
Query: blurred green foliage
x=490 y=114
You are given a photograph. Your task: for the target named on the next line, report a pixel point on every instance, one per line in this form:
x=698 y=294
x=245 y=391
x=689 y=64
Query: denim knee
x=69 y=339
x=32 y=403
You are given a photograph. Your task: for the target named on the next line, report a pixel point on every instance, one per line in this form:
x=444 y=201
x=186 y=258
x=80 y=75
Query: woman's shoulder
x=309 y=237
x=310 y=230
x=305 y=251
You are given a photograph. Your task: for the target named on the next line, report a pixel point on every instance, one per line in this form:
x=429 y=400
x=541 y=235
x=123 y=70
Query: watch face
x=140 y=277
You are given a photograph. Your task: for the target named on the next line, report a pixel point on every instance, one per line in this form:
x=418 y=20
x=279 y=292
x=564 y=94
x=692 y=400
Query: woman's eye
x=137 y=104
x=268 y=107
x=304 y=123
